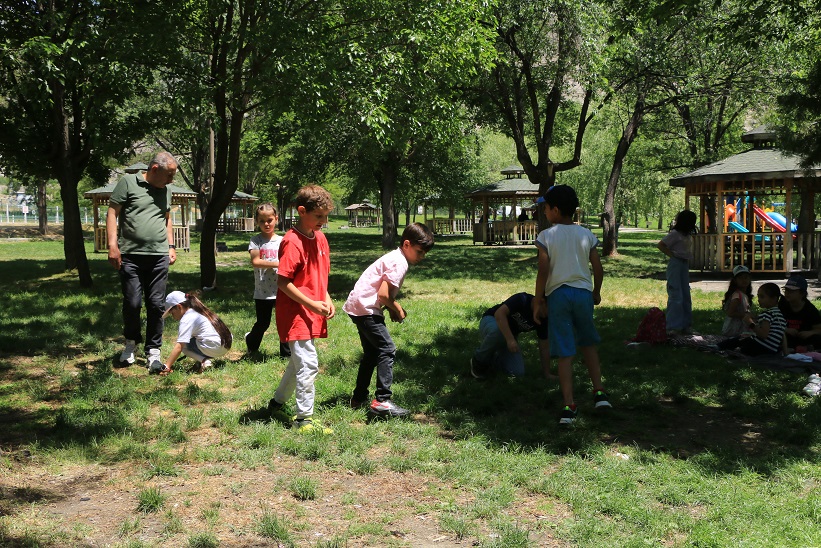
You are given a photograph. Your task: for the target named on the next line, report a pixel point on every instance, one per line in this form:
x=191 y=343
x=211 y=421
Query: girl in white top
x=202 y=335
x=678 y=246
x=264 y=252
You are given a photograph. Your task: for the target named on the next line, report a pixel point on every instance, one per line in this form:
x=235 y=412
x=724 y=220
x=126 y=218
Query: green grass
x=697 y=450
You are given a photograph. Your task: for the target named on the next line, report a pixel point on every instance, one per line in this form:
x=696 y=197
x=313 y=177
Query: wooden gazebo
x=734 y=226
x=181 y=201
x=240 y=215
x=362 y=214
x=500 y=204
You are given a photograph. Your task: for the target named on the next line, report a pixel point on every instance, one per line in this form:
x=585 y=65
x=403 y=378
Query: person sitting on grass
x=803 y=319
x=499 y=328
x=202 y=335
x=736 y=302
x=767 y=330
x=564 y=286
x=376 y=288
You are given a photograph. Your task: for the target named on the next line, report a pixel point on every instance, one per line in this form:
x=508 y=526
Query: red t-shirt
x=307 y=262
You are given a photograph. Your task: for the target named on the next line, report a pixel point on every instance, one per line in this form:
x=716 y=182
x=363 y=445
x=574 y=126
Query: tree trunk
x=609 y=247
x=42 y=211
x=73 y=243
x=69 y=178
x=545 y=179
x=806 y=215
x=388 y=172
x=226 y=180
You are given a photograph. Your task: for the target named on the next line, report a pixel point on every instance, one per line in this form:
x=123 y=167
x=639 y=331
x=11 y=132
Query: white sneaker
x=127 y=355
x=206 y=364
x=154 y=356
x=813 y=387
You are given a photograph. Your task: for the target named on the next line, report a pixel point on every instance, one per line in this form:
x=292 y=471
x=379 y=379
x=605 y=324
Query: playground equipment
x=732 y=232
x=781 y=220
x=767 y=220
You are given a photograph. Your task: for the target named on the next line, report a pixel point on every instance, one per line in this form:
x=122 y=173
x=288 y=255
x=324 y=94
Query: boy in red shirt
x=303 y=303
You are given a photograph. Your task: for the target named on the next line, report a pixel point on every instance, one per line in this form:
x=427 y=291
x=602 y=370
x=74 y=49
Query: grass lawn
x=698 y=450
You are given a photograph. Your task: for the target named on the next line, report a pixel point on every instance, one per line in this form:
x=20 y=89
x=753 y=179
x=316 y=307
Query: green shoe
x=309 y=425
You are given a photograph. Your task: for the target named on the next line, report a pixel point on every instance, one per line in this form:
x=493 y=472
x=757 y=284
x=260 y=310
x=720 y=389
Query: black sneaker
x=278 y=411
x=248 y=346
x=387 y=409
x=600 y=400
x=568 y=415
x=358 y=404
x=477 y=370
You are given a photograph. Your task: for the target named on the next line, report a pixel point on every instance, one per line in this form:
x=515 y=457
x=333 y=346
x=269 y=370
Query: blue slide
x=740 y=228
x=781 y=220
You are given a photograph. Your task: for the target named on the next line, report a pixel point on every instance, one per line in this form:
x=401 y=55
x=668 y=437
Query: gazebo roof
x=763 y=162
x=506 y=188
x=513 y=170
x=134 y=168
x=243 y=197
x=756 y=164
x=105 y=191
x=363 y=205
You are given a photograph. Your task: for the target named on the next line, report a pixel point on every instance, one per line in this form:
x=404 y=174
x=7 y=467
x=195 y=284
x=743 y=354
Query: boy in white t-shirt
x=566 y=290
x=264 y=251
x=376 y=288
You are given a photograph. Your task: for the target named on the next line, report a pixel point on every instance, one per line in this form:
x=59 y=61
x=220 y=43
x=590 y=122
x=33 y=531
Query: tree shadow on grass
x=675 y=401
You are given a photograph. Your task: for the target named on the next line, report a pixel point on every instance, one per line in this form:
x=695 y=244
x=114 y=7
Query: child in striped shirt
x=767 y=329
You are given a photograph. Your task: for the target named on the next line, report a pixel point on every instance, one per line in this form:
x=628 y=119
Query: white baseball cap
x=173 y=299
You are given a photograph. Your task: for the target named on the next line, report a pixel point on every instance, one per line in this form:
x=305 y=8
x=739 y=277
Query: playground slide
x=738 y=227
x=767 y=220
x=781 y=220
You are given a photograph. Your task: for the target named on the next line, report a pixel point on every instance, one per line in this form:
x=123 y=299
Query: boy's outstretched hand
x=398 y=316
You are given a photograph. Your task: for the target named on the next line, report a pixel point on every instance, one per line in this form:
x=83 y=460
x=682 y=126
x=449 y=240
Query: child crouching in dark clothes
x=500 y=327
x=767 y=329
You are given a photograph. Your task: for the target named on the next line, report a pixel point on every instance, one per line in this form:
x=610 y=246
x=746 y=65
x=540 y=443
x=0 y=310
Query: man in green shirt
x=139 y=210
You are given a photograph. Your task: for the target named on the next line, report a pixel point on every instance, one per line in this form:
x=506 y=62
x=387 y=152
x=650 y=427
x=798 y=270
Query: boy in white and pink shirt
x=377 y=288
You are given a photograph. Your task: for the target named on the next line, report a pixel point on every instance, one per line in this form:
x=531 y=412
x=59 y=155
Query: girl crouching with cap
x=202 y=335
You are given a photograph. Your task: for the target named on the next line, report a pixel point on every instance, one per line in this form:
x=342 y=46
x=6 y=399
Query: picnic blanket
x=707 y=343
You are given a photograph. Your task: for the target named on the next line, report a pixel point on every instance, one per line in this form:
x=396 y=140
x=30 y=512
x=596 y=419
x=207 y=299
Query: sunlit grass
x=698 y=450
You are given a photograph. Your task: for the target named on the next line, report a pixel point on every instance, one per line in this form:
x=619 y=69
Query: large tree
x=397 y=87
x=67 y=71
x=240 y=57
x=548 y=80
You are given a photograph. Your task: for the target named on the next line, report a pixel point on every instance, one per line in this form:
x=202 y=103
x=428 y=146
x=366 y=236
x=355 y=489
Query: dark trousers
x=378 y=353
x=265 y=309
x=144 y=275
x=746 y=345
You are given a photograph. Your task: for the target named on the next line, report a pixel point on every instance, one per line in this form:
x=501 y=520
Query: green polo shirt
x=142 y=216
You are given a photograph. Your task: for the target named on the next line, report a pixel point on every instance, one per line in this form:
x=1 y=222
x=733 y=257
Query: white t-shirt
x=680 y=245
x=265 y=279
x=568 y=247
x=194 y=325
x=363 y=299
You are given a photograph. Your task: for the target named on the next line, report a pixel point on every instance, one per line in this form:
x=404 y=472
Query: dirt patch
x=390 y=508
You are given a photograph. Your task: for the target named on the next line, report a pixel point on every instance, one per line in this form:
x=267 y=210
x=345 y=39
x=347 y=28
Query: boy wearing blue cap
x=565 y=288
